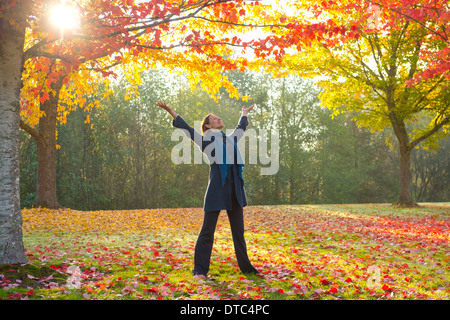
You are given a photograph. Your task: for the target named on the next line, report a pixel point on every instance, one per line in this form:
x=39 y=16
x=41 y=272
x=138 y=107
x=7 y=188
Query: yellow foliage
x=109 y=221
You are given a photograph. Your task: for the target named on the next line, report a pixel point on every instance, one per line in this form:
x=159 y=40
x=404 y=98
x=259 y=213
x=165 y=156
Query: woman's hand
x=167 y=108
x=246 y=110
x=163 y=105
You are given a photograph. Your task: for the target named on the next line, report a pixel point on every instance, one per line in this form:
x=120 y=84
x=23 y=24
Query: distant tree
x=379 y=70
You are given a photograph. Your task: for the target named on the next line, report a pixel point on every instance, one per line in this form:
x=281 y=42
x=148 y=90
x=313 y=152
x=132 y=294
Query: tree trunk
x=11 y=48
x=405 y=177
x=46 y=150
x=405 y=150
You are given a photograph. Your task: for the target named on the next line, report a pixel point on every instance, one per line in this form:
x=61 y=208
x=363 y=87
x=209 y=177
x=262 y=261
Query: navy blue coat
x=218 y=196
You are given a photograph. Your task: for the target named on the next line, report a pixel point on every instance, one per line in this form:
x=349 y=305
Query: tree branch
x=432 y=131
x=31 y=131
x=416 y=104
x=241 y=24
x=377 y=59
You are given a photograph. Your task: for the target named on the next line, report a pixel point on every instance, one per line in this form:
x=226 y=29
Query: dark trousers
x=205 y=240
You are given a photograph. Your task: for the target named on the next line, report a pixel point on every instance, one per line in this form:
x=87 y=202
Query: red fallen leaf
x=332 y=290
x=29 y=292
x=101 y=286
x=386 y=288
x=324 y=281
x=89 y=289
x=155 y=252
x=153 y=290
x=348 y=279
x=14 y=296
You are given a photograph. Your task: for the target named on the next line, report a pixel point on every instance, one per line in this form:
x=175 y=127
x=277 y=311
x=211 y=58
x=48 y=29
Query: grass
x=357 y=251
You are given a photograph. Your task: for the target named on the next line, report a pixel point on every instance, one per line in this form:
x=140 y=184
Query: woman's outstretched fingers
x=246 y=110
x=167 y=108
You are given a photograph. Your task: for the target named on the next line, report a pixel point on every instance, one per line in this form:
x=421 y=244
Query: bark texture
x=11 y=47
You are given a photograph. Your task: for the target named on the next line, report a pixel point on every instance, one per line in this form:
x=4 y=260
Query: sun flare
x=65 y=17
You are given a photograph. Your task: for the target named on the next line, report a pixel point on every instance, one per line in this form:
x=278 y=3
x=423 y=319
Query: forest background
x=118 y=155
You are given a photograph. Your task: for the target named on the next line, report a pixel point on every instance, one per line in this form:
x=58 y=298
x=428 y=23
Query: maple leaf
x=332 y=290
x=44 y=97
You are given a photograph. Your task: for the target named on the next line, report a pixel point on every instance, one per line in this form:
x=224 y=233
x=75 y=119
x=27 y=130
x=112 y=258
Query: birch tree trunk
x=11 y=48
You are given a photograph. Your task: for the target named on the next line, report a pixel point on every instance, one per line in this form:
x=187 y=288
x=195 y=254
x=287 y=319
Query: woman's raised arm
x=243 y=123
x=168 y=109
x=179 y=122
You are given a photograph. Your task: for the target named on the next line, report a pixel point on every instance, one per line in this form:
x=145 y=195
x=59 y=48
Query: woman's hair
x=205 y=121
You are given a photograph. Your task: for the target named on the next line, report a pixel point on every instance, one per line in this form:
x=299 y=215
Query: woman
x=225 y=188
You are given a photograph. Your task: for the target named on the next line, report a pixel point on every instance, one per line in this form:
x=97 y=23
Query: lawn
x=356 y=251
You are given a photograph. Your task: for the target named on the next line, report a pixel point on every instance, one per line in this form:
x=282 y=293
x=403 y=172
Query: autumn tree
x=387 y=63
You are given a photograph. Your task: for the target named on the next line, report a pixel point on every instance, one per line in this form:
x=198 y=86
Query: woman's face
x=215 y=122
